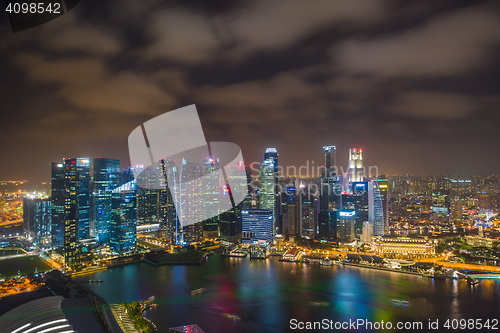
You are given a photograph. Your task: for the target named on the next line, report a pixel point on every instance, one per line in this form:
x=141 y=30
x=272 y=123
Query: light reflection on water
x=266 y=294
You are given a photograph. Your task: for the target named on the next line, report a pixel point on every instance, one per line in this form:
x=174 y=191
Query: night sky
x=415 y=84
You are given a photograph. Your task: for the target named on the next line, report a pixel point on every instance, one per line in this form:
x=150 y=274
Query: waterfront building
x=123 y=223
x=105 y=171
x=357 y=199
x=345 y=226
x=404 y=247
x=481 y=241
x=267 y=195
x=37 y=221
x=330 y=197
x=376 y=204
x=57 y=204
x=356 y=171
x=76 y=205
x=257 y=225
x=367 y=234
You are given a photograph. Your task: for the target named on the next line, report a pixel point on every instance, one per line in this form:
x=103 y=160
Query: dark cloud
x=409 y=83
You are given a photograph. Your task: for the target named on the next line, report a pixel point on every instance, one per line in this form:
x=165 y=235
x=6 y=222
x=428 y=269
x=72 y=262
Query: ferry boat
x=472 y=281
x=230 y=316
x=319 y=303
x=326 y=262
x=197 y=291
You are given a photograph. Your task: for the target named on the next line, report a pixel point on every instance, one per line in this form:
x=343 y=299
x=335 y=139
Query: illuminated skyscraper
x=378 y=206
x=257 y=225
x=123 y=222
x=267 y=181
x=76 y=205
x=37 y=220
x=330 y=197
x=456 y=214
x=345 y=226
x=210 y=197
x=330 y=161
x=105 y=172
x=57 y=198
x=356 y=171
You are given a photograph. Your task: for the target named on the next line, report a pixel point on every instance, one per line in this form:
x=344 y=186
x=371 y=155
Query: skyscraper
x=345 y=226
x=57 y=199
x=267 y=182
x=37 y=220
x=330 y=197
x=210 y=197
x=376 y=204
x=76 y=205
x=330 y=160
x=105 y=172
x=356 y=171
x=257 y=225
x=123 y=223
x=357 y=199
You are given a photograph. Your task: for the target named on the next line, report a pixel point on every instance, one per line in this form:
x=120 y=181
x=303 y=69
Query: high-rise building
x=376 y=208
x=257 y=225
x=330 y=161
x=267 y=195
x=147 y=195
x=210 y=197
x=357 y=199
x=330 y=197
x=308 y=215
x=37 y=220
x=367 y=234
x=383 y=188
x=345 y=226
x=356 y=171
x=76 y=205
x=123 y=223
x=57 y=199
x=456 y=210
x=105 y=172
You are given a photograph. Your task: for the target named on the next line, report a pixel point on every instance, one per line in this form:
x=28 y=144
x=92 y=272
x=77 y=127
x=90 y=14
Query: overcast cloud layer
x=414 y=84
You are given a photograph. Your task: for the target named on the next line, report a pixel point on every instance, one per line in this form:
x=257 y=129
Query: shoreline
x=383 y=269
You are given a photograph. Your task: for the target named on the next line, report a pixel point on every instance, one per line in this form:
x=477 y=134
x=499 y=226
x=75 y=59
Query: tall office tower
x=330 y=197
x=123 y=217
x=308 y=215
x=257 y=225
x=330 y=161
x=210 y=197
x=375 y=208
x=367 y=234
x=345 y=226
x=105 y=172
x=37 y=220
x=356 y=171
x=76 y=205
x=383 y=187
x=167 y=214
x=267 y=196
x=271 y=154
x=57 y=198
x=192 y=173
x=147 y=196
x=357 y=200
x=230 y=221
x=456 y=210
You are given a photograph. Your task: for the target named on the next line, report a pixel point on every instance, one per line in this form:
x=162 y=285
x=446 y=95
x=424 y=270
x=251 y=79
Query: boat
x=230 y=316
x=326 y=262
x=406 y=303
x=319 y=303
x=396 y=301
x=154 y=305
x=472 y=281
x=197 y=291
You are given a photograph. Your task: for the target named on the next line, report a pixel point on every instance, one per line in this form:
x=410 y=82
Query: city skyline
x=380 y=76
